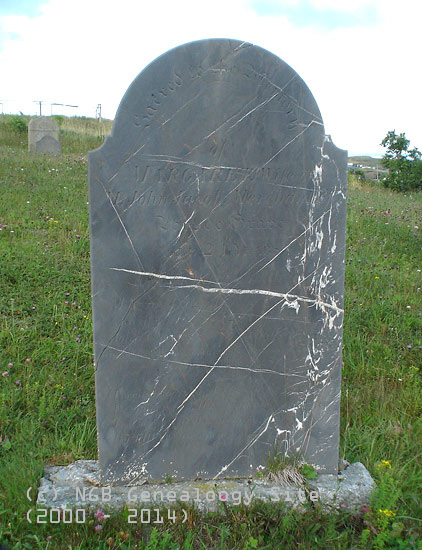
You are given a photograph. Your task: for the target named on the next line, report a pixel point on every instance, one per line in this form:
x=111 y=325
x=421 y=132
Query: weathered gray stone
x=43 y=136
x=217 y=217
x=352 y=488
x=77 y=486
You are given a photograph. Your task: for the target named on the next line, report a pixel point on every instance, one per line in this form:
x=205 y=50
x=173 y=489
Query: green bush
x=404 y=165
x=18 y=124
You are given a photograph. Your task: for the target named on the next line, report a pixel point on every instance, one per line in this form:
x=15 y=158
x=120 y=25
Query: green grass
x=47 y=412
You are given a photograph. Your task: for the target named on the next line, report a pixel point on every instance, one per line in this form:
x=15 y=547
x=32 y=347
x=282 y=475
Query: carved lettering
x=144 y=121
x=141 y=173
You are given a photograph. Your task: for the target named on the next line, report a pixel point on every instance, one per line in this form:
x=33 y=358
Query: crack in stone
x=260 y=292
x=229 y=367
x=184 y=225
x=158 y=276
x=285 y=296
x=181 y=108
x=254 y=109
x=201 y=365
x=292 y=99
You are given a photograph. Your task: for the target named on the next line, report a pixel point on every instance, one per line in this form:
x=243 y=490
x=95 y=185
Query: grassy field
x=77 y=134
x=47 y=412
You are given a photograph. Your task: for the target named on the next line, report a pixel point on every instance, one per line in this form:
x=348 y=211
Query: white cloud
x=343 y=5
x=364 y=78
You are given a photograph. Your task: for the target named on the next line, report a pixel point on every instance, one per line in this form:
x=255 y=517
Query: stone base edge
x=75 y=486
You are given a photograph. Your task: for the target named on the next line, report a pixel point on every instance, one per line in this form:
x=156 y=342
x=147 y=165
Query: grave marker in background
x=43 y=136
x=217 y=217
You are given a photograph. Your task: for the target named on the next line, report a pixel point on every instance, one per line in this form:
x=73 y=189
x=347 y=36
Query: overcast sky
x=360 y=58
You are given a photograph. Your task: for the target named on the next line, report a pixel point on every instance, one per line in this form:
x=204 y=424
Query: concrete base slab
x=77 y=486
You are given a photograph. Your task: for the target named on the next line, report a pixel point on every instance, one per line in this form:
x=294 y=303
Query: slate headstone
x=217 y=218
x=43 y=136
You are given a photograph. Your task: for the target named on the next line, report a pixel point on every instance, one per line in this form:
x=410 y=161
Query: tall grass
x=47 y=409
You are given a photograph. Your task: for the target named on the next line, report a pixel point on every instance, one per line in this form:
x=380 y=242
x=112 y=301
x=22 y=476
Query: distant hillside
x=369 y=162
x=371 y=167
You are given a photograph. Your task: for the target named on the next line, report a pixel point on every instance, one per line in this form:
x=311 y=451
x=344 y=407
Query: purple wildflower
x=100 y=515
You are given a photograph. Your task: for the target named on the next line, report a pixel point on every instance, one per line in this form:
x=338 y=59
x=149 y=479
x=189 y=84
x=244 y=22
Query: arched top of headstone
x=44 y=123
x=228 y=88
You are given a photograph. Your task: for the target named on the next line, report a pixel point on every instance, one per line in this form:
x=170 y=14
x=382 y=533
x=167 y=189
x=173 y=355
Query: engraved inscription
x=210 y=185
x=157 y=97
x=224 y=71
x=172 y=173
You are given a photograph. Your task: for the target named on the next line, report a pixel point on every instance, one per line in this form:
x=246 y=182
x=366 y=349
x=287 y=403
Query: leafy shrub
x=18 y=124
x=404 y=165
